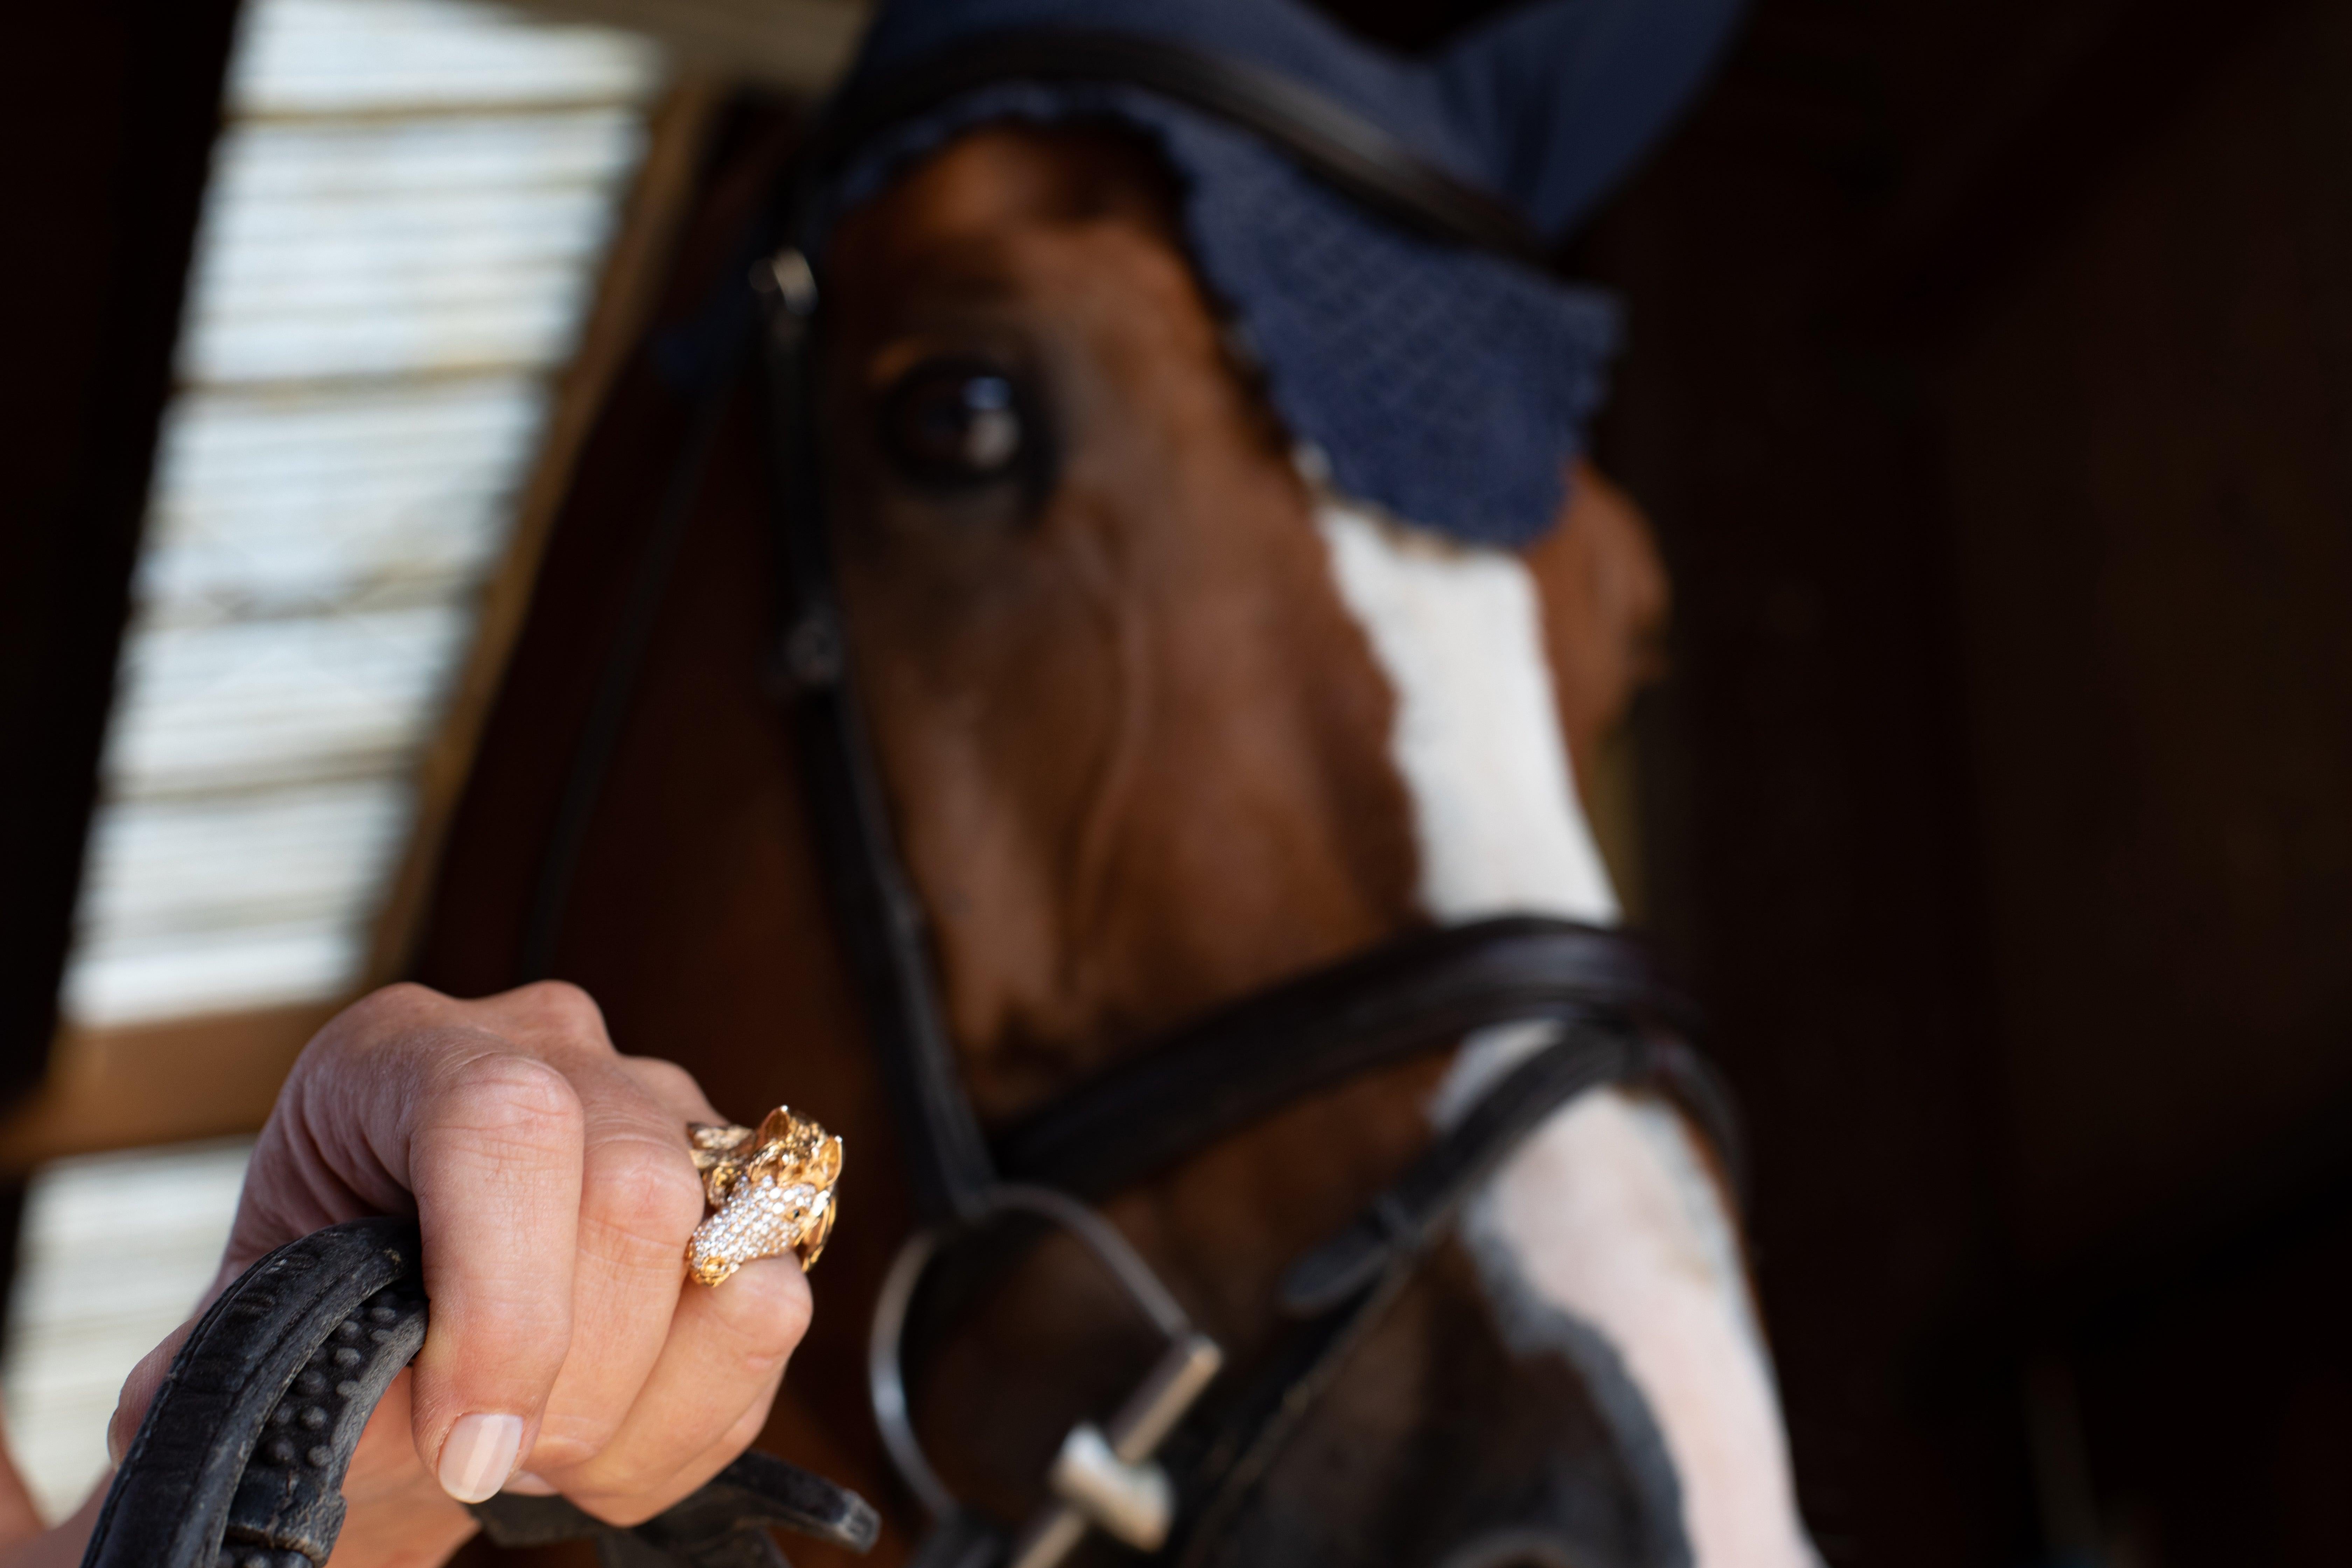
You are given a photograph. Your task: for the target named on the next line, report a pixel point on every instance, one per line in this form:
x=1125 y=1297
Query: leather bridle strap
x=1418 y=993
x=878 y=917
x=1405 y=1220
x=1342 y=1287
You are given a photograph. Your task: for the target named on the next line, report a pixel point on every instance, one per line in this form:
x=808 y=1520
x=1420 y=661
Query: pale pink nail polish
x=526 y=1484
x=480 y=1455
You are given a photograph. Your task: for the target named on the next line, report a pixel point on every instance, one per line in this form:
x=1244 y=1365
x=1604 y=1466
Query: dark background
x=1989 y=381
x=1990 y=371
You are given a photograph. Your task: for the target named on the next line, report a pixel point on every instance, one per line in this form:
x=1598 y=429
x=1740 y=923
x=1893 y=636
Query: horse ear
x=1562 y=97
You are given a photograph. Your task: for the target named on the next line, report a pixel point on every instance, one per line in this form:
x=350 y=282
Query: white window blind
x=408 y=212
x=408 y=209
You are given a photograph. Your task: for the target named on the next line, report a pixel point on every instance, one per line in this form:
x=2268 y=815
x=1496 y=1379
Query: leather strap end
x=510 y=1519
x=1348 y=1264
x=723 y=1525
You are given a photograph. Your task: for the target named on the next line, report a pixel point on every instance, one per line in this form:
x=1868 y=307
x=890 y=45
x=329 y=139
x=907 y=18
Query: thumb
x=139 y=1390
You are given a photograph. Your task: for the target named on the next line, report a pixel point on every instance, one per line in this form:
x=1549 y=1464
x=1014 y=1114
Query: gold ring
x=771 y=1192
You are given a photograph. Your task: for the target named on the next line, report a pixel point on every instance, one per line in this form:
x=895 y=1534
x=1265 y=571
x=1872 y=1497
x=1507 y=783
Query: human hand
x=552 y=1180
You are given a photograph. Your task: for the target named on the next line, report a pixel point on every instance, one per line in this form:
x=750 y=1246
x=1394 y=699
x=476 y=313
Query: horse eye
x=956 y=424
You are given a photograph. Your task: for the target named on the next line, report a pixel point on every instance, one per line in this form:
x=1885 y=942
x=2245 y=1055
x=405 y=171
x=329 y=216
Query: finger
x=552 y=1016
x=336 y=1147
x=672 y=1088
x=727 y=1351
x=394 y=1505
x=697 y=1471
x=494 y=1156
x=139 y=1390
x=640 y=1200
x=686 y=1478
x=385 y=1457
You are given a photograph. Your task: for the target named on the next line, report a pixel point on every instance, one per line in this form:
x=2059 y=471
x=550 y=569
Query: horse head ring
x=771 y=1191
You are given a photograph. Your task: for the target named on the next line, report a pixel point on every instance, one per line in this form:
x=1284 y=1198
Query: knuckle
x=505 y=1340
x=625 y=1489
x=571 y=1442
x=561 y=1006
x=767 y=1305
x=647 y=1191
x=628 y=1492
x=522 y=1098
x=386 y=1007
x=402 y=995
x=665 y=1080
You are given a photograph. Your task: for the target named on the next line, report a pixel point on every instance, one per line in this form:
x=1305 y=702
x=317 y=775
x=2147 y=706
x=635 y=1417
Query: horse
x=1160 y=719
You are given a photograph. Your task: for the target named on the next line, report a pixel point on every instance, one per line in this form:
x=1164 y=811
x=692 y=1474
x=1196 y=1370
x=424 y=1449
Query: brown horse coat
x=1143 y=752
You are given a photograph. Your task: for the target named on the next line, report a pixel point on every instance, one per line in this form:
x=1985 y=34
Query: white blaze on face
x=1459 y=634
x=1608 y=1214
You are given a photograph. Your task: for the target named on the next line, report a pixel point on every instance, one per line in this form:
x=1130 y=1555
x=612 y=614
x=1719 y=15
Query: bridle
x=1615 y=1020
x=875 y=906
x=241 y=1458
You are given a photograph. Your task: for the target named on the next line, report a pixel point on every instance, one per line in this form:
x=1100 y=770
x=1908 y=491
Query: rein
x=240 y=1461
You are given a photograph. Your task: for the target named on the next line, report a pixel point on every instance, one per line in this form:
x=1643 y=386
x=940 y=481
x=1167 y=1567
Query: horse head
x=1162 y=715
x=1163 y=718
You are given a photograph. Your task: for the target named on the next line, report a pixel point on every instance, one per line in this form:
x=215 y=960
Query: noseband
x=240 y=1461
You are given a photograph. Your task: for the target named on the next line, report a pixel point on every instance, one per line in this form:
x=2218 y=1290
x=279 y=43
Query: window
x=409 y=210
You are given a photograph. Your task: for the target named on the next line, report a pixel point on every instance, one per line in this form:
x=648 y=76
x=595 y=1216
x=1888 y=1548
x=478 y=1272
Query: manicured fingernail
x=480 y=1455
x=529 y=1485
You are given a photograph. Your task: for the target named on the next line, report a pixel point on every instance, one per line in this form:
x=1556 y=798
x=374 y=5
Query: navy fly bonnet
x=1449 y=387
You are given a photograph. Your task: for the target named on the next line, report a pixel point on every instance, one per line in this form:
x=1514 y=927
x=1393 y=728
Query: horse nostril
x=953 y=422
